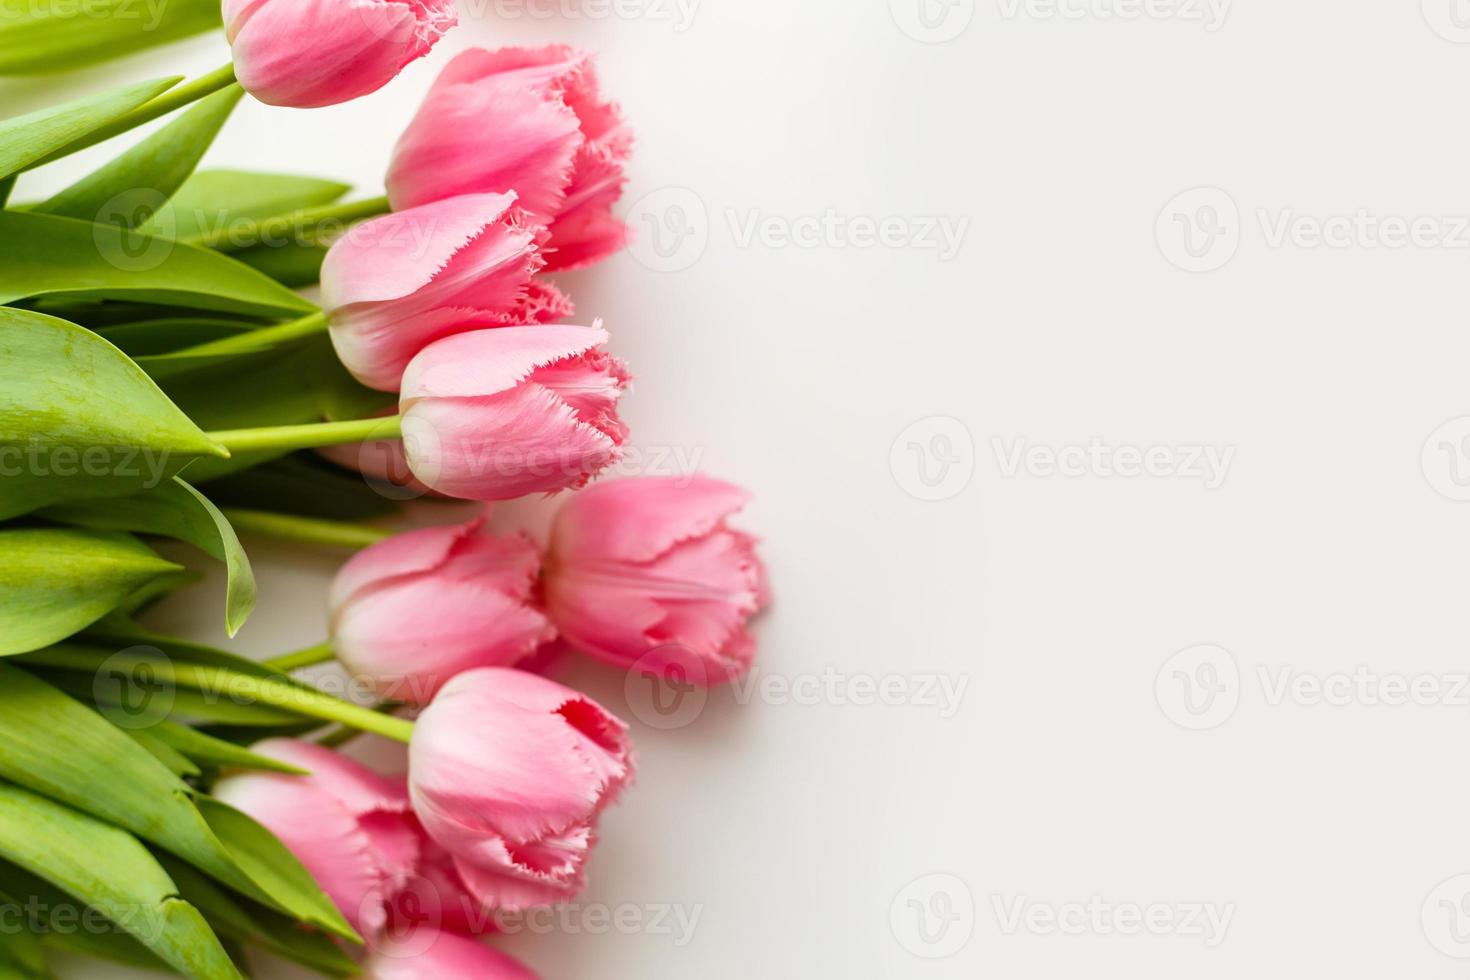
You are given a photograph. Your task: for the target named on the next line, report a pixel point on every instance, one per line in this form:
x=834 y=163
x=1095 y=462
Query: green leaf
x=79 y=420
x=44 y=255
x=21 y=955
x=207 y=749
x=294 y=265
x=174 y=509
x=177 y=763
x=54 y=745
x=42 y=38
x=56 y=581
x=52 y=915
x=213 y=202
x=257 y=926
x=29 y=138
x=181 y=703
x=108 y=869
x=135 y=185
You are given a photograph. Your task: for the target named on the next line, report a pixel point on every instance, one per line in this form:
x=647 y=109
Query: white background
x=1060 y=138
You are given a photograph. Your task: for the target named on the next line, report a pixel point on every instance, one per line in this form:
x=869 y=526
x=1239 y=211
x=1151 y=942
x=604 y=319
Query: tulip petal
x=639 y=519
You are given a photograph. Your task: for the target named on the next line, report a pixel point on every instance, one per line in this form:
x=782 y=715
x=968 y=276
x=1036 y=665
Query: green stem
x=307 y=225
x=257 y=340
x=289 y=438
x=307 y=657
x=174 y=98
x=264 y=690
x=307 y=530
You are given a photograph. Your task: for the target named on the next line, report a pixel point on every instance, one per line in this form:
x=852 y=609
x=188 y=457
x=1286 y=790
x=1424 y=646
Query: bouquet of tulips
x=161 y=377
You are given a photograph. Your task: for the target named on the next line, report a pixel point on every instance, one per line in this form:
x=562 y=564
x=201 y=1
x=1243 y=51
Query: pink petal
x=485 y=362
x=639 y=518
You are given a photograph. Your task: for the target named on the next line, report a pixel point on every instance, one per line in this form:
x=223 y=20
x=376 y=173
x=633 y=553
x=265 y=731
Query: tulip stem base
x=264 y=338
x=309 y=657
x=315 y=435
x=306 y=530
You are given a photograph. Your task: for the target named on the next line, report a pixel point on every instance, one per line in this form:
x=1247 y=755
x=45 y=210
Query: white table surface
x=1323 y=833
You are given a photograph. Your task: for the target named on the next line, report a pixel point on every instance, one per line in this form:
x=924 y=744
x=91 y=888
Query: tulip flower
x=349 y=826
x=307 y=53
x=508 y=772
x=412 y=611
x=498 y=414
x=646 y=571
x=529 y=120
x=488 y=415
x=394 y=284
x=440 y=956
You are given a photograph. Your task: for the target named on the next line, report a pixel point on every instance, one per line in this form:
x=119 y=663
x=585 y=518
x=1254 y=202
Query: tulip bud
x=529 y=120
x=349 y=826
x=498 y=414
x=440 y=956
x=644 y=570
x=412 y=611
x=395 y=284
x=508 y=772
x=308 y=53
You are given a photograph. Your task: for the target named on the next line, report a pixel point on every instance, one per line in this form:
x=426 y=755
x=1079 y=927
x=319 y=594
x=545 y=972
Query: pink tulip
x=498 y=414
x=395 y=284
x=508 y=772
x=306 y=53
x=412 y=611
x=349 y=826
x=645 y=571
x=529 y=120
x=440 y=956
